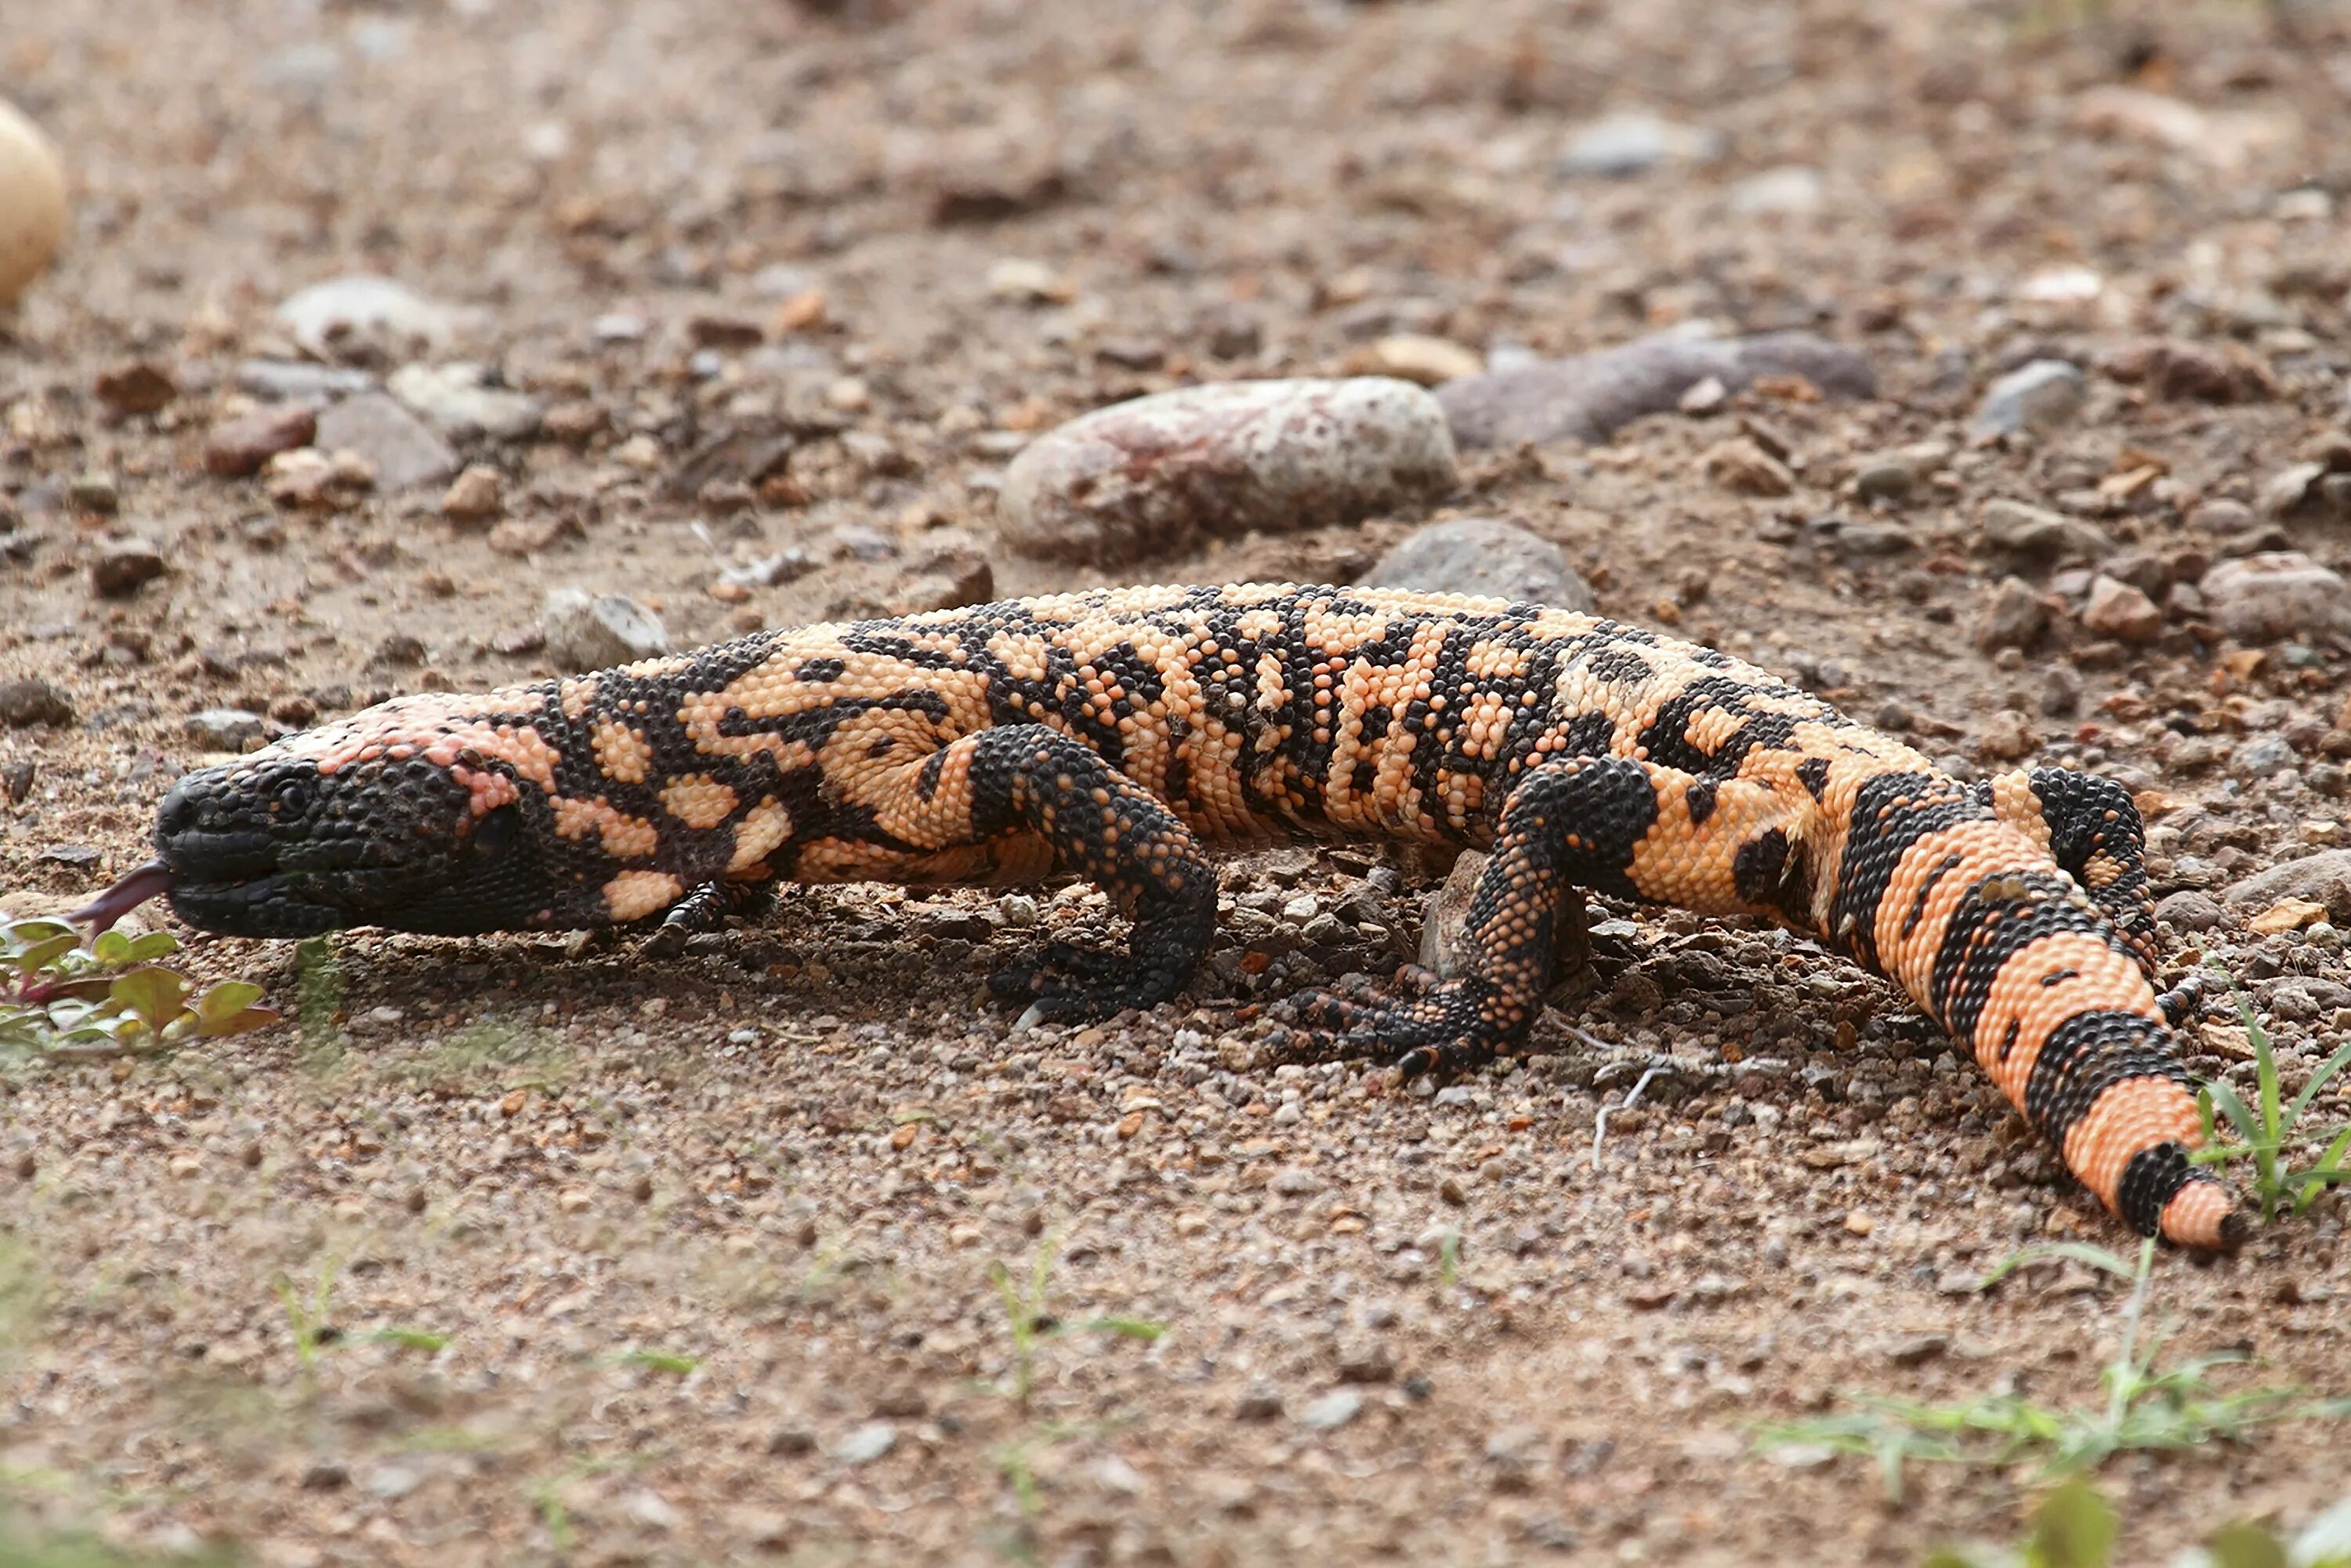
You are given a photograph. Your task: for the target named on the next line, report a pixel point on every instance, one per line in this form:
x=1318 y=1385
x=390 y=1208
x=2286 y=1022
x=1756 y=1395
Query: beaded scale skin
x=1108 y=735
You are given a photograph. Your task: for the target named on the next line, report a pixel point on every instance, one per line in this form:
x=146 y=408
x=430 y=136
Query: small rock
x=2008 y=737
x=1153 y=475
x=1333 y=1410
x=136 y=388
x=476 y=496
x=94 y=493
x=393 y=1482
x=1258 y=1402
x=1915 y=1349
x=2261 y=757
x=649 y=1509
x=298 y=381
x=1366 y=1361
x=2015 y=618
x=1028 y=282
x=32 y=203
x=867 y=1443
x=595 y=632
x=2189 y=910
x=17 y=781
x=2289 y=491
x=2323 y=879
x=1743 y=467
x=123 y=567
x=2039 y=535
x=1589 y=397
x=1418 y=358
x=1793 y=191
x=2038 y=398
x=1619 y=146
x=239 y=448
x=2184 y=371
x=363 y=308
x=1483 y=556
x=27 y=701
x=2286 y=915
x=2274 y=595
x=223 y=728
x=398 y=446
x=2118 y=609
x=459 y=401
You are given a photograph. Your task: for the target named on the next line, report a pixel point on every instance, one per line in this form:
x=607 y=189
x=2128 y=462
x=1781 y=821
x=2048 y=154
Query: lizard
x=1113 y=734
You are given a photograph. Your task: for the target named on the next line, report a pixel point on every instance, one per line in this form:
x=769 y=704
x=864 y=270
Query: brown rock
x=139 y=387
x=240 y=446
x=1742 y=465
x=2323 y=879
x=2015 y=618
x=476 y=496
x=123 y=567
x=28 y=702
x=2120 y=610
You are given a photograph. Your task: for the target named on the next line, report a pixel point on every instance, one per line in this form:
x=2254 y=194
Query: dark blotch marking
x=820 y=672
x=1812 y=773
x=1701 y=797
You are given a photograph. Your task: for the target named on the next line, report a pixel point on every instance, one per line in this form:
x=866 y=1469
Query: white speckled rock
x=594 y=632
x=2279 y=593
x=1484 y=555
x=32 y=203
x=1153 y=475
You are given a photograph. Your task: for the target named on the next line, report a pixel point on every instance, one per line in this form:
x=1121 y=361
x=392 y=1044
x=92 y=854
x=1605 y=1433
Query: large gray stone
x=1154 y=475
x=596 y=631
x=398 y=446
x=1483 y=556
x=2037 y=398
x=1590 y=397
x=2323 y=878
x=2276 y=594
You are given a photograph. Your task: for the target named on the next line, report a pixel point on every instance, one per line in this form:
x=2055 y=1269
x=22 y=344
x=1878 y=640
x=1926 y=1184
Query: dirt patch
x=516 y=1252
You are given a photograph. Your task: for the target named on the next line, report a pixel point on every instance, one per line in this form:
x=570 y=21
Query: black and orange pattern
x=1108 y=735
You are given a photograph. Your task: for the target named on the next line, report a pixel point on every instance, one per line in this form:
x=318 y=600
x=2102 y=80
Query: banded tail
x=1972 y=900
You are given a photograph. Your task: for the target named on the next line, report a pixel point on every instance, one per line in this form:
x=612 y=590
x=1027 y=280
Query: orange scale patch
x=2131 y=1116
x=624 y=837
x=698 y=800
x=2103 y=980
x=634 y=895
x=623 y=753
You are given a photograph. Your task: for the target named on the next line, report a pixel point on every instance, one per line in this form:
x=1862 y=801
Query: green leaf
x=2073 y=1527
x=2318 y=1081
x=226 y=1000
x=2054 y=1251
x=152 y=945
x=245 y=1022
x=31 y=960
x=2245 y=1546
x=155 y=997
x=1125 y=1328
x=2233 y=1107
x=112 y=949
x=407 y=1338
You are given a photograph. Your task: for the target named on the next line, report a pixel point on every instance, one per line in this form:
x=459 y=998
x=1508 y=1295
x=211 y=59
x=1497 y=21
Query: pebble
x=593 y=631
x=2015 y=618
x=1418 y=358
x=1026 y=282
x=1446 y=915
x=458 y=401
x=136 y=388
x=1258 y=1402
x=2261 y=757
x=1794 y=190
x=1619 y=146
x=2041 y=396
x=367 y=306
x=32 y=203
x=2040 y=535
x=298 y=381
x=1153 y=475
x=95 y=493
x=2274 y=595
x=2120 y=610
x=476 y=496
x=2189 y=910
x=1742 y=466
x=1589 y=397
x=223 y=728
x=239 y=448
x=867 y=1443
x=399 y=447
x=2323 y=879
x=17 y=781
x=29 y=701
x=1333 y=1410
x=1483 y=556
x=123 y=567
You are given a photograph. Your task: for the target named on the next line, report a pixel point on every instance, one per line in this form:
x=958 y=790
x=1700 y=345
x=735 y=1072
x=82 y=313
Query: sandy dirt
x=516 y=1251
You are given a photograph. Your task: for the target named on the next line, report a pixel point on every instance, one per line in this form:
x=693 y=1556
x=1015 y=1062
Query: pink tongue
x=123 y=897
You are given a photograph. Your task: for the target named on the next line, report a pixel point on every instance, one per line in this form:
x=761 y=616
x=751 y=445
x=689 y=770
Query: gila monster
x=1108 y=735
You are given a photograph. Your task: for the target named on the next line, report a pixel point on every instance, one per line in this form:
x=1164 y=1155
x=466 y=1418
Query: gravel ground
x=766 y=298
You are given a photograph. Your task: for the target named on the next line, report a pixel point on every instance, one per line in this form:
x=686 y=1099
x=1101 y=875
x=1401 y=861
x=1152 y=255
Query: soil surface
x=515 y=1251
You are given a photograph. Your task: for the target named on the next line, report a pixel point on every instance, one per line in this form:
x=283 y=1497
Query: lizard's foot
x=2183 y=1001
x=1421 y=1024
x=707 y=908
x=1067 y=983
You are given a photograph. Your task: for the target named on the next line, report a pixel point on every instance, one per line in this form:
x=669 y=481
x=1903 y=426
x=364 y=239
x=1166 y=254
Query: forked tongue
x=124 y=896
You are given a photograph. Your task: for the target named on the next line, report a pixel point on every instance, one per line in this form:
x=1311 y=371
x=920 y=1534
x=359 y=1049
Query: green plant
x=2270 y=1129
x=61 y=999
x=2074 y=1527
x=658 y=1360
x=2145 y=1408
x=310 y=1322
x=319 y=1000
x=1033 y=1325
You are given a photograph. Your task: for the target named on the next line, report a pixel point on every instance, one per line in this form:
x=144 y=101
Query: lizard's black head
x=403 y=817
